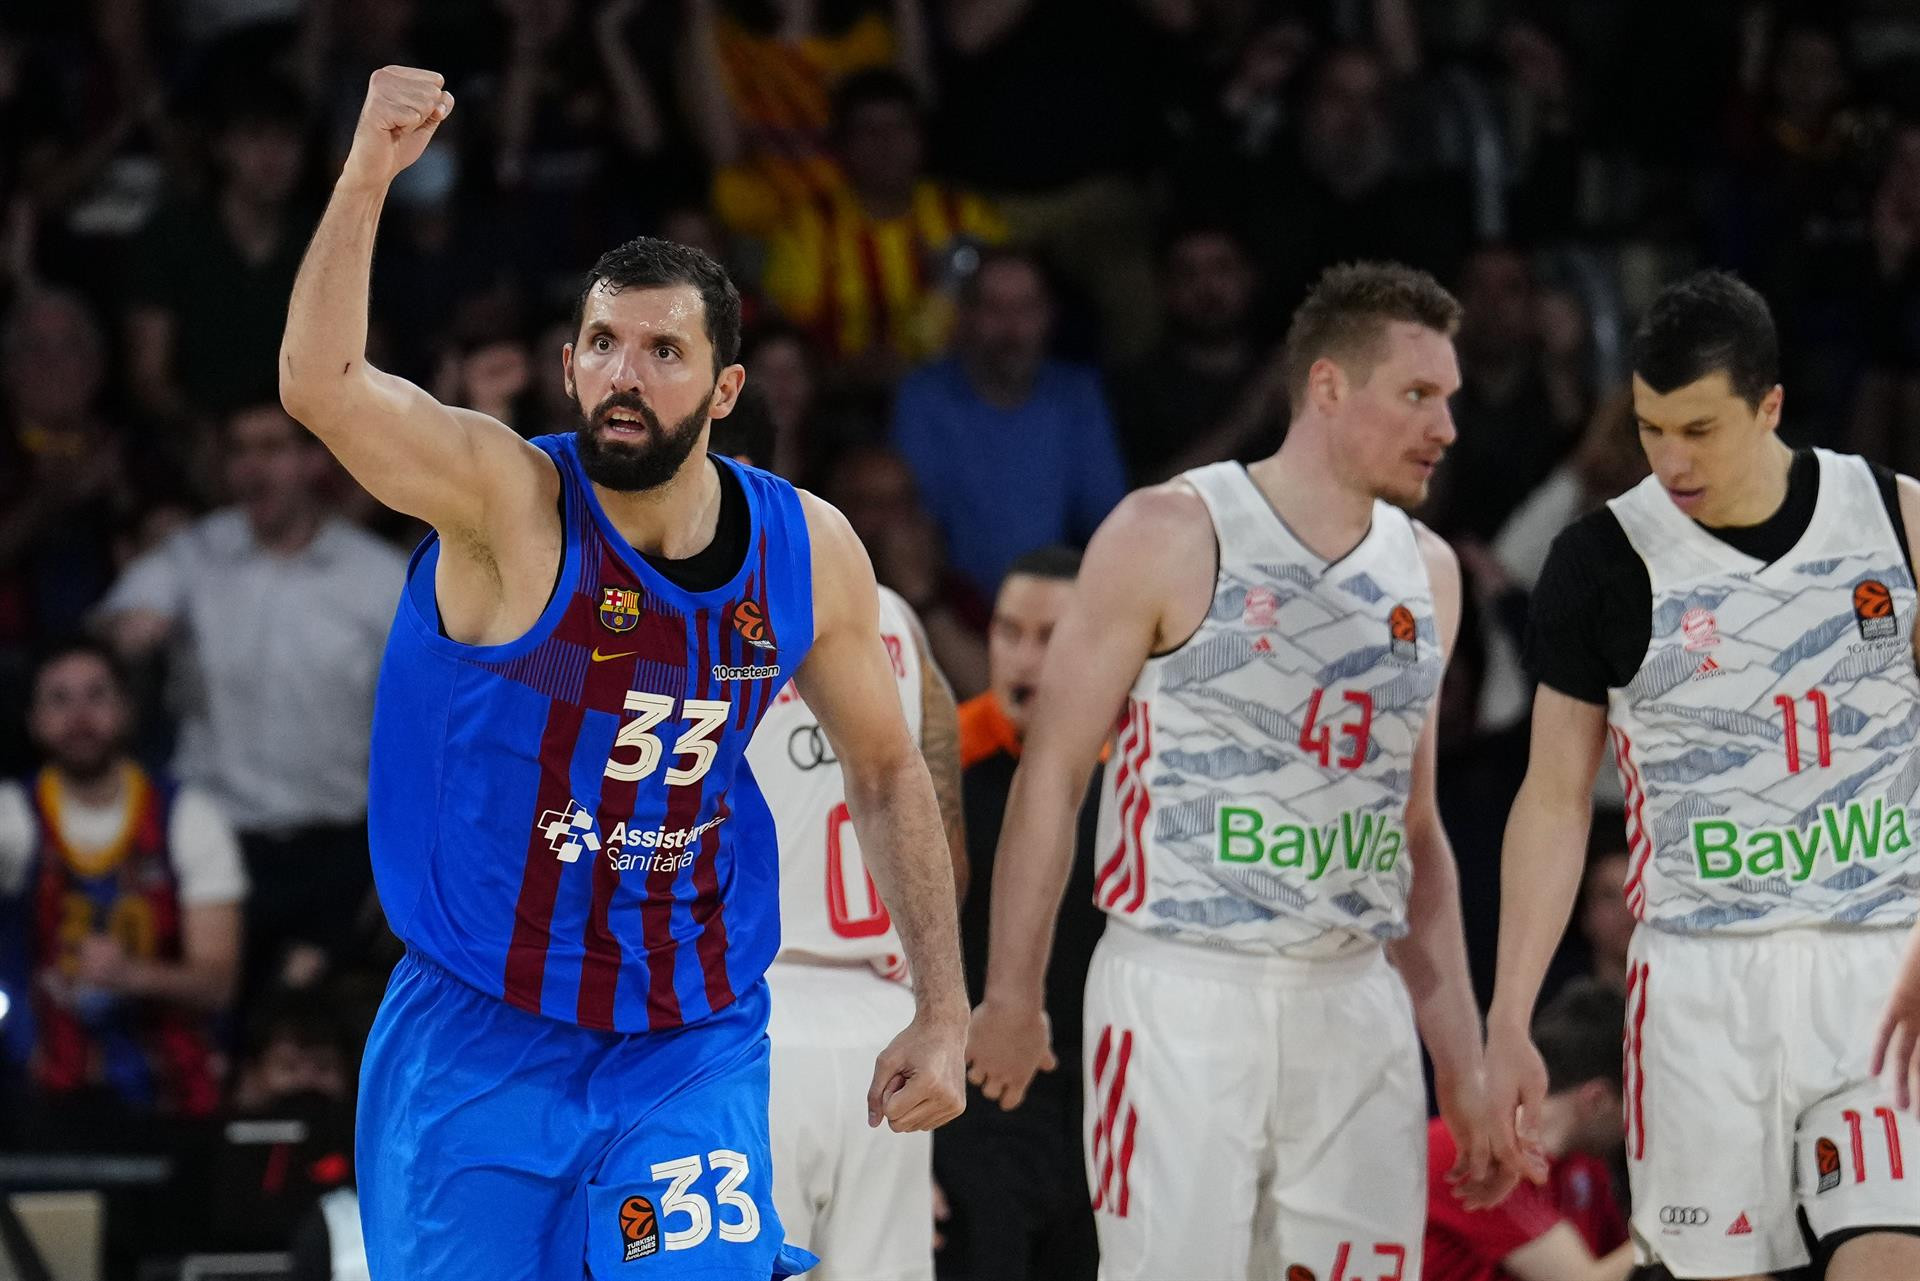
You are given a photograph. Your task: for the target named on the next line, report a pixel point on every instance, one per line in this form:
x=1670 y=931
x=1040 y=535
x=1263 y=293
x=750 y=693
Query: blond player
x=1738 y=630
x=857 y=1195
x=1269 y=641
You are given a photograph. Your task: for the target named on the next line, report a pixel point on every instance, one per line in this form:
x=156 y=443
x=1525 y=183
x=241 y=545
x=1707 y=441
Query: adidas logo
x=1707 y=668
x=1263 y=646
x=1740 y=1228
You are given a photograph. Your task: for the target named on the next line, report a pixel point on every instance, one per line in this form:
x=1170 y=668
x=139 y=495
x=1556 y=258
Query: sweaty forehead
x=674 y=309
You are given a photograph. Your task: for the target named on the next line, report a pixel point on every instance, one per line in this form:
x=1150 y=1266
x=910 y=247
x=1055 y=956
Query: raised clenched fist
x=404 y=106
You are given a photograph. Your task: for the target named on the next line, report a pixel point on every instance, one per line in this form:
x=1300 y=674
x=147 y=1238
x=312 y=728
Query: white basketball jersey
x=829 y=908
x=1766 y=744
x=1256 y=799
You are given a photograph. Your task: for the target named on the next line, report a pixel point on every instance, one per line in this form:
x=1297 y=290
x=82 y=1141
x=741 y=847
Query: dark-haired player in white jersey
x=857 y=1195
x=1269 y=640
x=1738 y=628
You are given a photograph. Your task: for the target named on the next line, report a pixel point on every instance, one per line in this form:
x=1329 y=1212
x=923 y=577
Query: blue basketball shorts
x=500 y=1144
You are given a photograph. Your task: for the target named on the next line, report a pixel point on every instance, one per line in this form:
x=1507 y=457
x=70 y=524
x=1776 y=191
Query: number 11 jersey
x=1766 y=743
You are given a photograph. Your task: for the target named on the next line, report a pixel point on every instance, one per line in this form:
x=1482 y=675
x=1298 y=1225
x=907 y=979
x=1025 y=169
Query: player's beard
x=645 y=464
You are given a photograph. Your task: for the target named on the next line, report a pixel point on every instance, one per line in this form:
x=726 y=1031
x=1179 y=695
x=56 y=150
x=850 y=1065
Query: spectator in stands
x=1606 y=924
x=210 y=282
x=1344 y=193
x=132 y=889
x=1014 y=1181
x=576 y=131
x=1791 y=220
x=874 y=488
x=275 y=614
x=1012 y=449
x=760 y=90
x=65 y=488
x=786 y=372
x=1180 y=406
x=1058 y=140
x=289 y=1133
x=869 y=266
x=1607 y=462
x=1571 y=1228
x=1522 y=394
x=1887 y=417
x=493 y=375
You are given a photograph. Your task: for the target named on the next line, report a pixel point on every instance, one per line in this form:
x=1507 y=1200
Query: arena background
x=1177 y=172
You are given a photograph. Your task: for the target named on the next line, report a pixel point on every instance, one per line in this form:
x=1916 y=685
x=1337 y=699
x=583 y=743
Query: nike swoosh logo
x=598 y=657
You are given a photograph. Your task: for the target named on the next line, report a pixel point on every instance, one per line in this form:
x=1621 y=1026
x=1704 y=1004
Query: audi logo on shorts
x=1683 y=1216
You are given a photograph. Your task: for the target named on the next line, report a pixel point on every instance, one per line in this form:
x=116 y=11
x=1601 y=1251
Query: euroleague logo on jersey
x=751 y=622
x=1873 y=611
x=640 y=1226
x=1403 y=634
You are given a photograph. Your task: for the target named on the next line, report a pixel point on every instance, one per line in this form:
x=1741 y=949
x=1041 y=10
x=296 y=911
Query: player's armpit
x=1559 y=1254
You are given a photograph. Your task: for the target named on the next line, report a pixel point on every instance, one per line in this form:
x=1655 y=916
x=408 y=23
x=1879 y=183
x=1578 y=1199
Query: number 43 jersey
x=829 y=908
x=1256 y=799
x=566 y=820
x=1766 y=744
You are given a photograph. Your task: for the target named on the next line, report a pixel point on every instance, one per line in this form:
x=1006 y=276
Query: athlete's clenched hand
x=1007 y=1044
x=919 y=1081
x=404 y=106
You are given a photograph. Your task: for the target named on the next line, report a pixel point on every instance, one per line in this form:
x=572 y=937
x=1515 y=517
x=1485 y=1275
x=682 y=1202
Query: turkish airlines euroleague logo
x=751 y=623
x=1403 y=634
x=1826 y=1160
x=1873 y=611
x=640 y=1227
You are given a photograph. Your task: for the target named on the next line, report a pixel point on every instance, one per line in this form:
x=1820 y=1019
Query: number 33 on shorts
x=690 y=1201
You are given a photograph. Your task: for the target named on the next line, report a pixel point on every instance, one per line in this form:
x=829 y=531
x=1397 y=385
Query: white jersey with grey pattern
x=1766 y=744
x=1257 y=792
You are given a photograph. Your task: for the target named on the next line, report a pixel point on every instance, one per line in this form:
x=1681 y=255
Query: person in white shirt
x=274 y=614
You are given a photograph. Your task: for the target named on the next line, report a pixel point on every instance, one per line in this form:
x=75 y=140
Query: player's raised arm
x=1156 y=537
x=418 y=456
x=1541 y=862
x=1432 y=957
x=846 y=679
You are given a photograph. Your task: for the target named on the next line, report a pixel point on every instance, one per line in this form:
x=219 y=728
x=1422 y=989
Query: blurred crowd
x=1002 y=261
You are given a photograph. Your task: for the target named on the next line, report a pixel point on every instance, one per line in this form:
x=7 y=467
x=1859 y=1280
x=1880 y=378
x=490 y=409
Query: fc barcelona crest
x=619 y=609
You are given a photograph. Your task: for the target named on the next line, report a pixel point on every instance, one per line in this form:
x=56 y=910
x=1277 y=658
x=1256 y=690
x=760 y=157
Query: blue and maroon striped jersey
x=566 y=820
